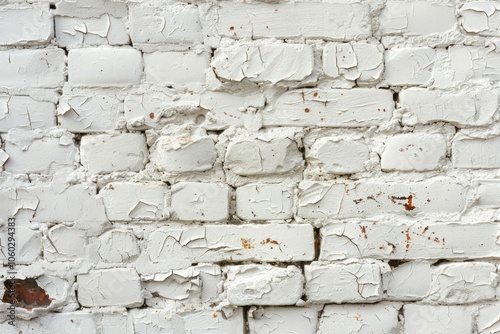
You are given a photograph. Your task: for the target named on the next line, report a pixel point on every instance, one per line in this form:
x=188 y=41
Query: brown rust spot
x=246 y=243
x=231 y=28
x=303 y=97
x=307 y=110
x=269 y=241
x=409 y=206
x=151 y=115
x=315 y=94
x=214 y=315
x=363 y=231
x=25 y=293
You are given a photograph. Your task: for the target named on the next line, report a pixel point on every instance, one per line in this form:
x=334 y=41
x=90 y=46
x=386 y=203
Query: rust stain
x=409 y=206
x=307 y=110
x=214 y=315
x=303 y=97
x=25 y=293
x=231 y=28
x=315 y=94
x=269 y=241
x=151 y=115
x=363 y=231
x=245 y=243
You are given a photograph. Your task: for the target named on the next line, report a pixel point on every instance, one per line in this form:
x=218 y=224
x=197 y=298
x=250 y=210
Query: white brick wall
x=235 y=167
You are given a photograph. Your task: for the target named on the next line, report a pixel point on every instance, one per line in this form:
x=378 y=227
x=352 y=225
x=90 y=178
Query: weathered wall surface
x=251 y=166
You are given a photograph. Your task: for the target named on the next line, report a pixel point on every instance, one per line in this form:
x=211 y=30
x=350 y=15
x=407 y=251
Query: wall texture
x=250 y=166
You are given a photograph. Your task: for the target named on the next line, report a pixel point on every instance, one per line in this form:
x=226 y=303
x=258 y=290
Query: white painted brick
x=127 y=201
x=487 y=191
x=3 y=157
x=339 y=156
x=176 y=67
x=258 y=157
x=25 y=25
x=474 y=63
x=254 y=284
x=177 y=24
x=91 y=8
x=181 y=154
x=464 y=109
x=264 y=202
x=266 y=320
x=28 y=245
x=191 y=285
x=481 y=17
x=28 y=68
x=416 y=241
x=103 y=30
x=88 y=114
x=111 y=287
x=331 y=108
x=26 y=113
x=54 y=323
x=330 y=21
x=442 y=196
x=488 y=319
x=102 y=67
x=414 y=152
x=273 y=63
x=417 y=18
x=117 y=246
x=437 y=319
x=362 y=319
x=360 y=62
x=475 y=153
x=114 y=323
x=114 y=153
x=410 y=281
x=463 y=283
x=215 y=243
x=45 y=155
x=53 y=202
x=200 y=201
x=354 y=283
x=159 y=321
x=64 y=243
x=409 y=66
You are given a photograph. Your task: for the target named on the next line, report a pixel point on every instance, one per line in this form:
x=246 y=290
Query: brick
x=330 y=21
x=371 y=198
x=416 y=18
x=114 y=323
x=287 y=319
x=360 y=62
x=410 y=281
x=258 y=157
x=264 y=202
x=176 y=24
x=25 y=25
x=354 y=283
x=176 y=68
x=26 y=113
x=215 y=243
x=338 y=156
x=44 y=155
x=487 y=192
x=29 y=68
x=330 y=108
x=117 y=246
x=126 y=152
x=28 y=245
x=362 y=319
x=487 y=319
x=89 y=114
x=63 y=243
x=424 y=107
x=53 y=202
x=54 y=323
x=102 y=67
x=481 y=18
x=474 y=63
x=467 y=152
x=110 y=287
x=437 y=319
x=414 y=152
x=272 y=63
x=126 y=201
x=200 y=201
x=463 y=283
x=92 y=8
x=3 y=157
x=409 y=66
x=183 y=154
x=103 y=30
x=254 y=284
x=417 y=241
x=192 y=285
